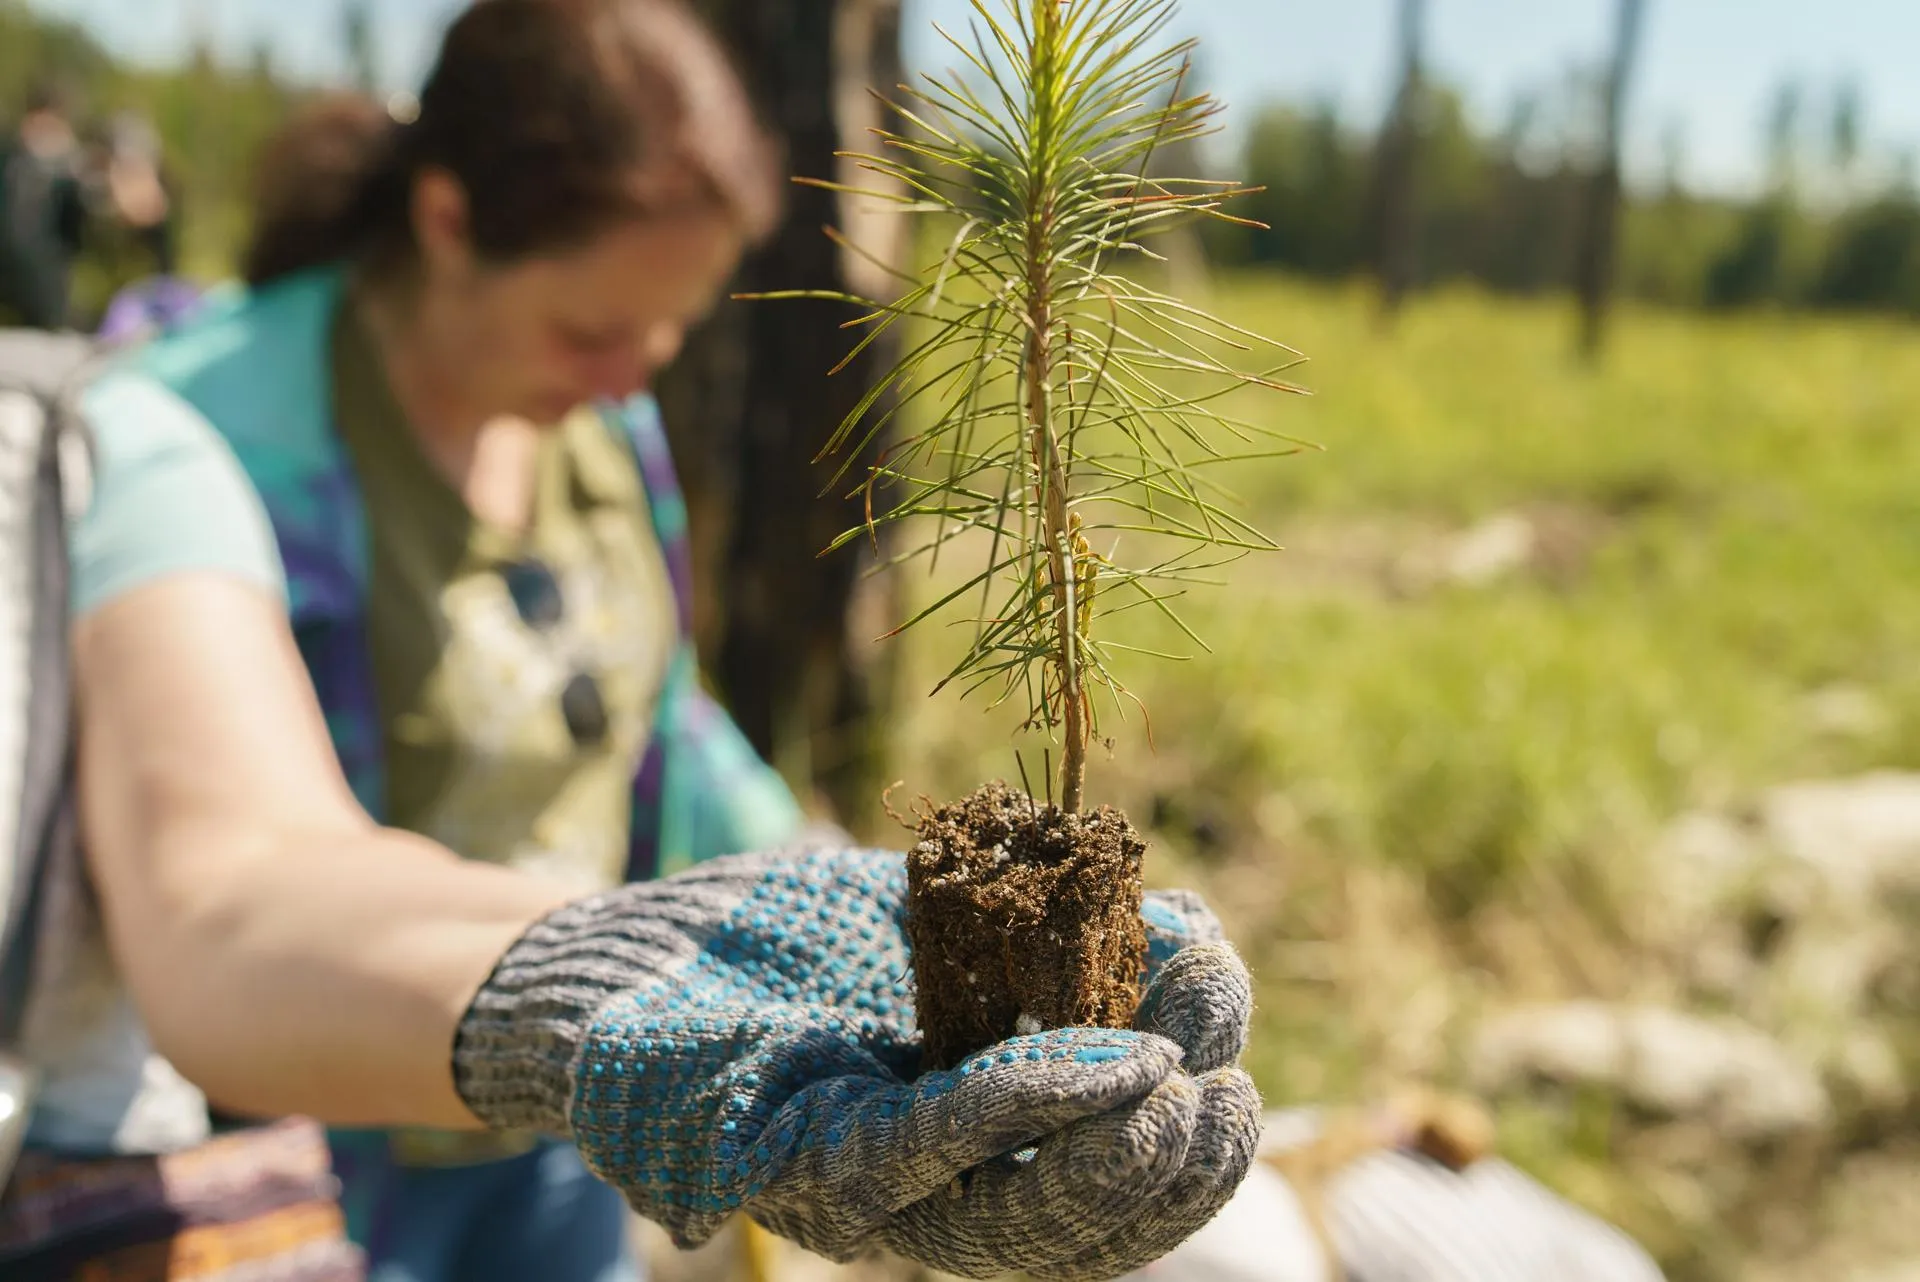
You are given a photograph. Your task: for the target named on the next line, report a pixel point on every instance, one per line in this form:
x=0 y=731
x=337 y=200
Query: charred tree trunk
x=1600 y=224
x=1396 y=178
x=750 y=404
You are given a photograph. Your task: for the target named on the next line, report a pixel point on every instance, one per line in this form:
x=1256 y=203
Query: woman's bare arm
x=288 y=954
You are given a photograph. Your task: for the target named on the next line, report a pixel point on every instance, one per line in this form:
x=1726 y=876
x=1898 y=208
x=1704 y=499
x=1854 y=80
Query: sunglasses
x=535 y=591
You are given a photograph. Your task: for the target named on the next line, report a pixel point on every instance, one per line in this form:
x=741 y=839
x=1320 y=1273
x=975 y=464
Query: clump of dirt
x=1022 y=918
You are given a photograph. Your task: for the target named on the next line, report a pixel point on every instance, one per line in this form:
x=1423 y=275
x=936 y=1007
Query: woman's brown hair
x=560 y=118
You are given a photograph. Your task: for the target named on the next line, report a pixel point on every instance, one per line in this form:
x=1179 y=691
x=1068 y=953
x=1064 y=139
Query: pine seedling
x=1074 y=406
x=1055 y=406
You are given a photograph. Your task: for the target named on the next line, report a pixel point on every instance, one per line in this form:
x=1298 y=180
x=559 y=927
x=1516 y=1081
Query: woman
x=450 y=329
x=474 y=577
x=437 y=383
x=435 y=380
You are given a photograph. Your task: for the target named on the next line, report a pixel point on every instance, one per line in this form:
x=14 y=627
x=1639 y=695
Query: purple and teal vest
x=256 y=364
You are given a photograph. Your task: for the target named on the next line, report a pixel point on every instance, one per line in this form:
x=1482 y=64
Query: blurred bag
x=261 y=1201
x=36 y=756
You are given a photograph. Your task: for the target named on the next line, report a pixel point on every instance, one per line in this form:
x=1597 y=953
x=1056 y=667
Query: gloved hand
x=740 y=1038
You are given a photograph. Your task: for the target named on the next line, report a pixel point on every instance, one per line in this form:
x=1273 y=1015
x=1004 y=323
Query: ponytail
x=329 y=186
x=559 y=119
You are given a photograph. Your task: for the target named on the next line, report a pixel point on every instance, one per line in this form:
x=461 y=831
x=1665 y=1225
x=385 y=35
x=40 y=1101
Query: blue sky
x=1707 y=74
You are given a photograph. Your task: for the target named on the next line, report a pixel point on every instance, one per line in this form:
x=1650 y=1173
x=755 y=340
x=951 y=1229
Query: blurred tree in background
x=1395 y=212
x=362 y=46
x=1835 y=225
x=1595 y=264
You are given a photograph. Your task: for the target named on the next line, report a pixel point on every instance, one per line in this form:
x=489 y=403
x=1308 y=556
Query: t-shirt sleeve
x=169 y=497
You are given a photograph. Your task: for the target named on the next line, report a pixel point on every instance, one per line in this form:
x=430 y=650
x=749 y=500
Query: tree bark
x=1594 y=270
x=783 y=631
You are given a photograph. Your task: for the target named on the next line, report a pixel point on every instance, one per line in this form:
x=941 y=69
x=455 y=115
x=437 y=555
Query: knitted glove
x=740 y=1038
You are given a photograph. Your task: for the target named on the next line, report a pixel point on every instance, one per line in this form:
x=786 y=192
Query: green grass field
x=1416 y=786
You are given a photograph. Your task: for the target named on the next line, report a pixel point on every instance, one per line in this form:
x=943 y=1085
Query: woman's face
x=541 y=337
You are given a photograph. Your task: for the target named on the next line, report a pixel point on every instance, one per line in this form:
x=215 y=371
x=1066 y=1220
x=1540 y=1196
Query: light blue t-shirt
x=168 y=498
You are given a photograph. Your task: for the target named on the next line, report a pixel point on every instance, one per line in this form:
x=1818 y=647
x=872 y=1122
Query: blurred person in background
x=43 y=209
x=132 y=173
x=152 y=296
x=63 y=189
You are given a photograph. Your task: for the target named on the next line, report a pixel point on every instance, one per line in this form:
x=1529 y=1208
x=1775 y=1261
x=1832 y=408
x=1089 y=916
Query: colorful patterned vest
x=256 y=365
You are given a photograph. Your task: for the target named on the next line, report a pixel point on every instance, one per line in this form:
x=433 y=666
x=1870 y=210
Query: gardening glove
x=741 y=1038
